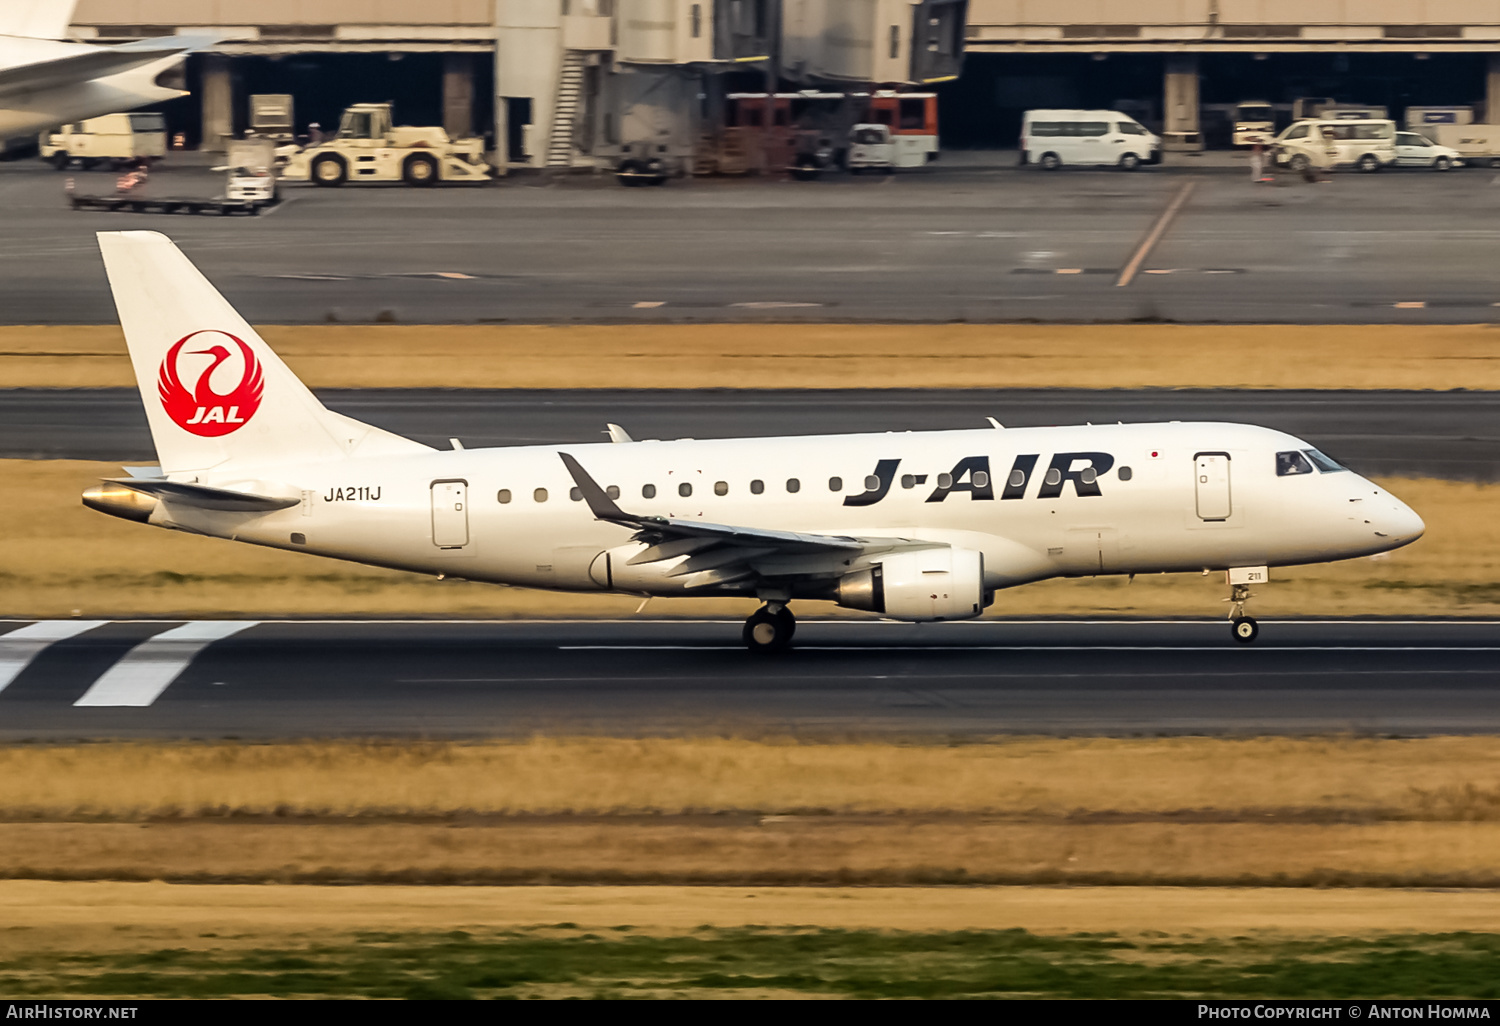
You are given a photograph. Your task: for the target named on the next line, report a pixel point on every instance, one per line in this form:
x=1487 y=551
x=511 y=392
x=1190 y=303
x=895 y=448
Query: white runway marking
x=1044 y=648
x=140 y=677
x=21 y=646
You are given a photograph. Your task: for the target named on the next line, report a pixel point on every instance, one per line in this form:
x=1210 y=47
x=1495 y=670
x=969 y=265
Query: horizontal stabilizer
x=203 y=497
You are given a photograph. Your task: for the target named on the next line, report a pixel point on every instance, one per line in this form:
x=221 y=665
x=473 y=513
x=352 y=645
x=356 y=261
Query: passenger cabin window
x=1323 y=463
x=945 y=481
x=1047 y=128
x=1091 y=128
x=540 y=495
x=503 y=496
x=908 y=480
x=1017 y=478
x=1125 y=473
x=835 y=484
x=721 y=487
x=613 y=491
x=648 y=491
x=757 y=486
x=872 y=483
x=793 y=485
x=1130 y=128
x=1291 y=463
x=576 y=494
x=685 y=489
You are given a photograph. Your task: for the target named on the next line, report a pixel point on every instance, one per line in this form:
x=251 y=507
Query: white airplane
x=913 y=526
x=47 y=81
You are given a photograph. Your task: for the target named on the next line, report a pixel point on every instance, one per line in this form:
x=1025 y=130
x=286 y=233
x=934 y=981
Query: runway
x=963 y=240
x=70 y=680
x=1454 y=435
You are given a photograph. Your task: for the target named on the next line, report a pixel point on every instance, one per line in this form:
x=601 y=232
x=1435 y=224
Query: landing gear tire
x=767 y=632
x=1245 y=629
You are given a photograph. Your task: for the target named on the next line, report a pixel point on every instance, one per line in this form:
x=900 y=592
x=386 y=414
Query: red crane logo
x=203 y=411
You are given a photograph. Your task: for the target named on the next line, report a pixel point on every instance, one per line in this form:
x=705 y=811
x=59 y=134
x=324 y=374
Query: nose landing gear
x=770 y=628
x=1244 y=627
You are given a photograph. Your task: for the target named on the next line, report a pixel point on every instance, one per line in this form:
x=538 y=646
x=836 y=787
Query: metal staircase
x=569 y=86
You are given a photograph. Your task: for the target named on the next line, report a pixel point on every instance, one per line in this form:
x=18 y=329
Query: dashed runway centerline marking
x=144 y=672
x=22 y=645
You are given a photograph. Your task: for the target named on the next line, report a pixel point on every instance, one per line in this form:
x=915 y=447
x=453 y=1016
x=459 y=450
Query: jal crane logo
x=203 y=411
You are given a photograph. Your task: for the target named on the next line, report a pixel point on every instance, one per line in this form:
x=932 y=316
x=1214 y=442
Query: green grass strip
x=563 y=961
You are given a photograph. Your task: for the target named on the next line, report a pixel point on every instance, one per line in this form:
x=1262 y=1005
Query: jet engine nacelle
x=928 y=584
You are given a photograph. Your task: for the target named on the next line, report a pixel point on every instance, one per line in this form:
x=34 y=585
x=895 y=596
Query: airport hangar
x=573 y=83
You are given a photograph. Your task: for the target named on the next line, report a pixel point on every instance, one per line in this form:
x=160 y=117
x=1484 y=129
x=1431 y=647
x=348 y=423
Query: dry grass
x=110 y=916
x=1192 y=811
x=786 y=851
x=58 y=558
x=1449 y=779
x=815 y=356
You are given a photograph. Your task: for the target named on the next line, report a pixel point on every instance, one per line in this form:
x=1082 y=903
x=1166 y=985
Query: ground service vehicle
x=1364 y=143
x=1052 y=138
x=116 y=140
x=271 y=117
x=1254 y=122
x=1416 y=150
x=368 y=148
x=1419 y=118
x=251 y=167
x=915 y=526
x=1478 y=144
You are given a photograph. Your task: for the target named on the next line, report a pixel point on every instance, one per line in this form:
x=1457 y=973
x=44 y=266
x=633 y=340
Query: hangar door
x=1211 y=479
x=450 y=514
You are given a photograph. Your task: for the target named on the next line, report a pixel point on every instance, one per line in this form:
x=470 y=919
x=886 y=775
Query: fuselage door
x=1211 y=479
x=450 y=514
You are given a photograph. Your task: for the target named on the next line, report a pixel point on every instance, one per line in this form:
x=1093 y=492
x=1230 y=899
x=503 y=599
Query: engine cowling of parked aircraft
x=928 y=584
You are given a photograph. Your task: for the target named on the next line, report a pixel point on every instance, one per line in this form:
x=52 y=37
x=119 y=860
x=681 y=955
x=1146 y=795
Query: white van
x=1366 y=144
x=1052 y=138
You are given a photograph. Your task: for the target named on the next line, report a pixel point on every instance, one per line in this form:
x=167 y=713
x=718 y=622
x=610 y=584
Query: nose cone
x=1404 y=526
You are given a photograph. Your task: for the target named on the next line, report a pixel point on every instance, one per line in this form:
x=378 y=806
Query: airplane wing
x=87 y=63
x=723 y=553
x=36 y=19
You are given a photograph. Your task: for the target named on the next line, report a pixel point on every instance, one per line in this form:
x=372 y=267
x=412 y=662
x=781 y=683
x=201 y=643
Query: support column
x=218 y=102
x=1180 y=131
x=1492 y=91
x=458 y=95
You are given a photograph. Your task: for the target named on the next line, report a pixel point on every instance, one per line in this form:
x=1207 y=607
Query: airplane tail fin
x=215 y=393
x=36 y=19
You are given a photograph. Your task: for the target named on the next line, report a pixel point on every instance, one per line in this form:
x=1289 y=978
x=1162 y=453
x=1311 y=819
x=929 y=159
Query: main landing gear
x=1244 y=627
x=770 y=628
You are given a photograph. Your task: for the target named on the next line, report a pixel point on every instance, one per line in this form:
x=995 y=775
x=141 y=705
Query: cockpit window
x=1289 y=463
x=1322 y=462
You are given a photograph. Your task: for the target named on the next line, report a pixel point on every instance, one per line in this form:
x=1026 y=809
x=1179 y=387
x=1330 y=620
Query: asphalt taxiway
x=1452 y=435
x=68 y=680
x=965 y=239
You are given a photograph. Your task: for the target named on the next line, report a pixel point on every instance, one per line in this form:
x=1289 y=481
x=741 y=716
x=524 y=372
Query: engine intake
x=928 y=584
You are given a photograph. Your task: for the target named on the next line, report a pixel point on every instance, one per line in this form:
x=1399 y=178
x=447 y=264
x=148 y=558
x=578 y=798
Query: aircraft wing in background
x=84 y=64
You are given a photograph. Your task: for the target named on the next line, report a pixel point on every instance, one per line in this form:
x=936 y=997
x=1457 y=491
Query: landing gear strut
x=1244 y=627
x=770 y=628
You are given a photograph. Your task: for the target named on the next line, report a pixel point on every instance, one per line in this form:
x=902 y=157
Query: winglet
x=617 y=433
x=602 y=506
